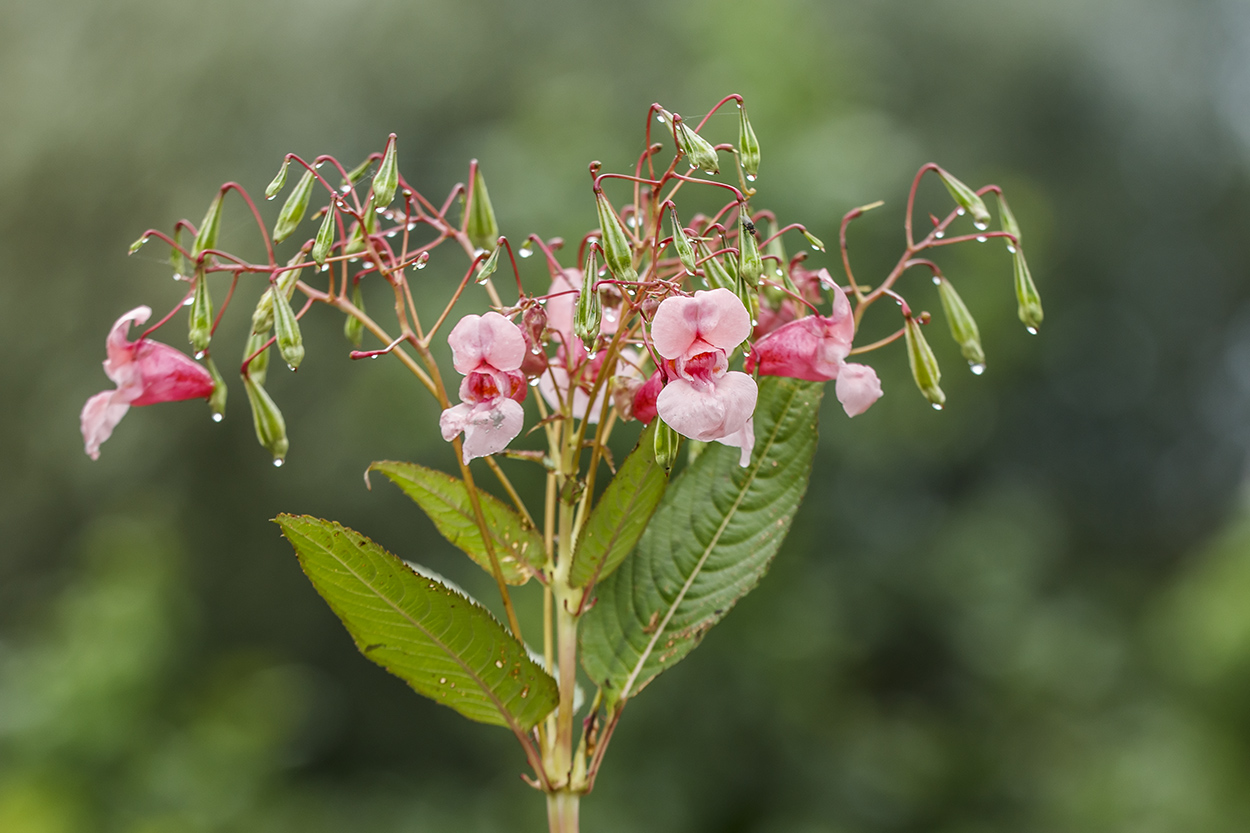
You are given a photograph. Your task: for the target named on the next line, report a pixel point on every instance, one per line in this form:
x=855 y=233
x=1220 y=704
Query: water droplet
x=705 y=283
x=755 y=322
x=380 y=210
x=981 y=238
x=750 y=177
x=1031 y=330
x=542 y=302
x=937 y=281
x=536 y=349
x=291 y=367
x=353 y=260
x=424 y=259
x=442 y=681
x=178 y=277
x=391 y=233
x=216 y=417
x=190 y=300
x=977 y=368
x=525 y=252
x=659 y=118
x=325 y=267
x=961 y=211
x=200 y=354
x=277 y=462
x=631 y=222
x=937 y=406
x=591 y=354
x=499 y=663
x=344 y=188
x=375 y=355
x=534 y=382
x=272 y=197
x=939 y=234
x=603 y=270
x=1011 y=249
x=980 y=226
x=412 y=226
x=319 y=164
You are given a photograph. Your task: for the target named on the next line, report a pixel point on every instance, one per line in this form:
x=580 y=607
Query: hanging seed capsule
x=262 y=316
x=488 y=267
x=267 y=419
x=748 y=146
x=1030 y=302
x=286 y=328
x=138 y=244
x=206 y=237
x=816 y=242
x=967 y=198
x=750 y=266
x=200 y=320
x=480 y=224
x=616 y=247
x=924 y=366
x=279 y=181
x=258 y=367
x=702 y=153
x=776 y=251
x=718 y=277
x=1008 y=220
x=177 y=260
x=217 y=400
x=353 y=329
x=386 y=181
x=357 y=173
x=325 y=237
x=963 y=326
x=681 y=242
x=294 y=208
x=666 y=443
x=371 y=216
x=588 y=314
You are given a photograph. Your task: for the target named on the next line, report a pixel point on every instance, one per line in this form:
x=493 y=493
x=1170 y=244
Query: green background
x=1029 y=612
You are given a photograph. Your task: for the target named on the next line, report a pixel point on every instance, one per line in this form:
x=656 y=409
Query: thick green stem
x=562 y=809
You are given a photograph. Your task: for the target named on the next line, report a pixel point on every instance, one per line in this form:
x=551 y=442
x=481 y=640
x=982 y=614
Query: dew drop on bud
x=939 y=234
x=1031 y=330
x=980 y=226
x=216 y=417
x=391 y=233
x=278 y=461
x=591 y=355
x=977 y=368
x=524 y=252
x=659 y=118
x=343 y=188
x=937 y=406
x=961 y=211
x=325 y=267
x=1011 y=249
x=534 y=382
x=750 y=177
x=937 y=281
x=189 y=301
x=981 y=238
x=291 y=366
x=424 y=259
x=200 y=354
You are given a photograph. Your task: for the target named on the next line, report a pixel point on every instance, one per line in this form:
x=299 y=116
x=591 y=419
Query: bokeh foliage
x=1028 y=612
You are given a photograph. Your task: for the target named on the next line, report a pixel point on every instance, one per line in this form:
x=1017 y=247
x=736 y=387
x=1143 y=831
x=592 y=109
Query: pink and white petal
x=554 y=387
x=857 y=388
x=723 y=321
x=453 y=420
x=491 y=339
x=810 y=348
x=168 y=375
x=738 y=392
x=675 y=326
x=120 y=349
x=560 y=307
x=98 y=419
x=491 y=426
x=841 y=318
x=690 y=411
x=743 y=438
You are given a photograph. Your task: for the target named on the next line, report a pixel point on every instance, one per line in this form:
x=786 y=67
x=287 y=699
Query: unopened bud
x=776 y=251
x=681 y=242
x=325 y=237
x=177 y=260
x=353 y=327
x=286 y=328
x=748 y=294
x=966 y=197
x=963 y=326
x=718 y=277
x=138 y=244
x=488 y=266
x=294 y=208
x=200 y=320
x=750 y=266
x=616 y=247
x=258 y=367
x=815 y=241
x=588 y=314
x=267 y=419
x=1009 y=220
x=371 y=216
x=666 y=442
x=1030 y=303
x=924 y=366
x=206 y=237
x=262 y=316
x=748 y=145
x=701 y=152
x=357 y=173
x=386 y=180
x=480 y=224
x=217 y=400
x=279 y=181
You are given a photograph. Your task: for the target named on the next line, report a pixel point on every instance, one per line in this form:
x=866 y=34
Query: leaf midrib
x=616 y=534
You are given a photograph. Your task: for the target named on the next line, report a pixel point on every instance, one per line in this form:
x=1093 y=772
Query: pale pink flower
x=703 y=399
x=857 y=388
x=554 y=383
x=489 y=350
x=145 y=372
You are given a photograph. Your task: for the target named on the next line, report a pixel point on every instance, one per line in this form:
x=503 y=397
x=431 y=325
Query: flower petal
x=857 y=388
x=708 y=412
x=683 y=327
x=120 y=349
x=167 y=375
x=491 y=426
x=812 y=348
x=488 y=339
x=99 y=417
x=743 y=438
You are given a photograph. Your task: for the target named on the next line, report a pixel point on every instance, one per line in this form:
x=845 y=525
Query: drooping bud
x=488 y=267
x=588 y=314
x=138 y=244
x=357 y=173
x=267 y=419
x=967 y=199
x=480 y=224
x=1030 y=302
x=1009 y=221
x=924 y=366
x=776 y=249
x=286 y=328
x=681 y=242
x=815 y=241
x=616 y=248
x=206 y=237
x=750 y=266
x=748 y=145
x=200 y=320
x=279 y=181
x=718 y=277
x=353 y=328
x=386 y=180
x=748 y=294
x=216 y=401
x=371 y=216
x=294 y=208
x=325 y=237
x=262 y=316
x=258 y=367
x=667 y=442
x=963 y=326
x=701 y=152
x=533 y=325
x=177 y=260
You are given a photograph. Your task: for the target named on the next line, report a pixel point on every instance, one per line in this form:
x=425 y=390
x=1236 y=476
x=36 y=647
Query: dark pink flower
x=489 y=350
x=145 y=372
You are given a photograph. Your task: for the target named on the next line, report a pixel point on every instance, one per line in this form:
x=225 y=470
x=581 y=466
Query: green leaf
x=441 y=642
x=621 y=514
x=709 y=544
x=518 y=546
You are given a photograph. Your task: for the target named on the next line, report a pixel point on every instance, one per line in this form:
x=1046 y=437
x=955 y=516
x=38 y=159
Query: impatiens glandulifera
x=679 y=331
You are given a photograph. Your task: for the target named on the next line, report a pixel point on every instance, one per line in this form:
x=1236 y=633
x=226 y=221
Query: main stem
x=562 y=810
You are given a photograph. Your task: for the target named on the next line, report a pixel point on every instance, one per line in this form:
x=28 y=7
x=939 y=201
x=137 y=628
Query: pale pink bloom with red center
x=145 y=372
x=703 y=399
x=489 y=350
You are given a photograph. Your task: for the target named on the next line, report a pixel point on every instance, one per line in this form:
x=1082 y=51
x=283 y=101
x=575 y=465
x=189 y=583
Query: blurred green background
x=1029 y=612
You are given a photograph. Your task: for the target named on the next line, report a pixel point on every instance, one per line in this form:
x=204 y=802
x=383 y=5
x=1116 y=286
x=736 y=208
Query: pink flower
x=489 y=350
x=145 y=372
x=857 y=388
x=703 y=399
x=554 y=383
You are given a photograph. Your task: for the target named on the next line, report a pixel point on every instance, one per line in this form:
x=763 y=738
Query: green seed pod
x=294 y=208
x=748 y=146
x=1030 y=303
x=386 y=181
x=267 y=419
x=924 y=366
x=480 y=224
x=206 y=237
x=776 y=249
x=718 y=277
x=138 y=244
x=815 y=241
x=750 y=266
x=325 y=237
x=217 y=401
x=353 y=329
x=257 y=368
x=748 y=293
x=355 y=241
x=488 y=267
x=701 y=152
x=357 y=173
x=588 y=314
x=681 y=242
x=667 y=442
x=1009 y=220
x=279 y=181
x=262 y=316
x=967 y=198
x=963 y=326
x=286 y=327
x=177 y=260
x=200 y=320
x=616 y=247
x=371 y=216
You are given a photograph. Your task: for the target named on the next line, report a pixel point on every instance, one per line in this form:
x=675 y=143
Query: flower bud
x=967 y=198
x=279 y=181
x=480 y=224
x=616 y=247
x=355 y=240
x=294 y=208
x=137 y=245
x=353 y=329
x=816 y=242
x=262 y=316
x=286 y=328
x=177 y=260
x=267 y=419
x=1030 y=303
x=488 y=266
x=776 y=249
x=200 y=320
x=588 y=314
x=258 y=367
x=386 y=180
x=216 y=401
x=748 y=146
x=369 y=212
x=681 y=242
x=718 y=276
x=963 y=326
x=748 y=294
x=1009 y=221
x=701 y=152
x=206 y=237
x=356 y=174
x=924 y=366
x=325 y=237
x=750 y=266
x=667 y=442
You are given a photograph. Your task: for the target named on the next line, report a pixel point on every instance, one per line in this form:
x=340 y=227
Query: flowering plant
x=634 y=565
